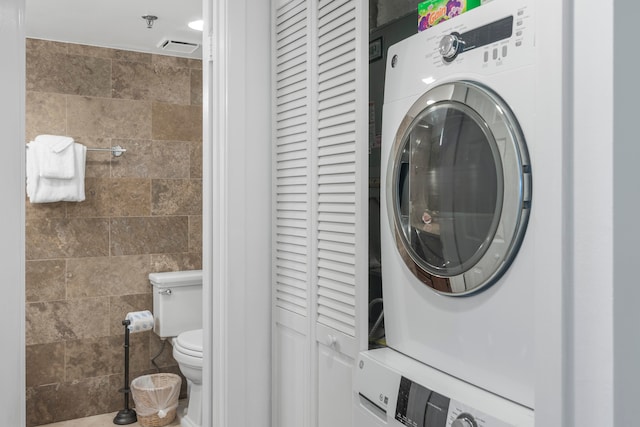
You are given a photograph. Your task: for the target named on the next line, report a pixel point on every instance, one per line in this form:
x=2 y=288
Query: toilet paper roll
x=140 y=321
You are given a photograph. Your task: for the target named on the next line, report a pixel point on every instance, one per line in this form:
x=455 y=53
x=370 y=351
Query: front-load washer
x=393 y=390
x=457 y=218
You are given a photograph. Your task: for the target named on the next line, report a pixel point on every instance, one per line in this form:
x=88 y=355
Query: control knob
x=450 y=46
x=464 y=420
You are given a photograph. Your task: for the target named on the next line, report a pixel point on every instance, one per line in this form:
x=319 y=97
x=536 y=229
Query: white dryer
x=456 y=221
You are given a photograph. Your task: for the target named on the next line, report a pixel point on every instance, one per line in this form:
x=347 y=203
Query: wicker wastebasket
x=156 y=398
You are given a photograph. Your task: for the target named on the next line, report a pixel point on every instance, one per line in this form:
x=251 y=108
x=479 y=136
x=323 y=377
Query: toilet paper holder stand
x=126 y=415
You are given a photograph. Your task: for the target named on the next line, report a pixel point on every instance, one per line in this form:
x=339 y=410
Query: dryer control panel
x=395 y=390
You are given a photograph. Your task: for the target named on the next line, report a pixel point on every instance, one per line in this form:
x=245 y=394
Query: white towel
x=49 y=190
x=56 y=156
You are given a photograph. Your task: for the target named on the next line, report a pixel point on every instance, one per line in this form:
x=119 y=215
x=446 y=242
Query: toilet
x=177 y=315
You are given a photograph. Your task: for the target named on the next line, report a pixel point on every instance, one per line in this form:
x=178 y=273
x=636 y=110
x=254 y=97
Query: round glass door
x=459 y=188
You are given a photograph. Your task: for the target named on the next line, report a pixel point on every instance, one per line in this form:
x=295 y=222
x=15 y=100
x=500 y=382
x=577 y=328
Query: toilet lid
x=191 y=341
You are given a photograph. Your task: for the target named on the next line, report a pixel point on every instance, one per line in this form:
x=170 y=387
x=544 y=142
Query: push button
x=495 y=53
x=504 y=51
x=486 y=56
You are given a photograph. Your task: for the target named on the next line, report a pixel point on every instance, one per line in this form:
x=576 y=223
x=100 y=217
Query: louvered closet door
x=292 y=234
x=341 y=218
x=320 y=237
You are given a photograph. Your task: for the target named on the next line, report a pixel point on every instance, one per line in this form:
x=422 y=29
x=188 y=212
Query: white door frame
x=236 y=213
x=12 y=226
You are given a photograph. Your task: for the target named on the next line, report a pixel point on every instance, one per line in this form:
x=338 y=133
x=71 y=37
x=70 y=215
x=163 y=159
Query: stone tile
x=68 y=74
x=45 y=364
x=115 y=397
x=196 y=64
x=139 y=352
x=48 y=322
x=107 y=276
x=196 y=160
x=137 y=235
x=96 y=202
x=130 y=197
x=134 y=80
x=113 y=197
x=196 y=87
x=98 y=163
x=171 y=61
x=96 y=357
x=82 y=398
x=38 y=45
x=92 y=357
x=152 y=159
x=41 y=404
x=176 y=197
x=176 y=122
x=101 y=52
x=130 y=56
x=46 y=113
x=195 y=234
x=176 y=262
x=34 y=211
x=121 y=305
x=45 y=280
x=113 y=118
x=74 y=237
x=92 y=51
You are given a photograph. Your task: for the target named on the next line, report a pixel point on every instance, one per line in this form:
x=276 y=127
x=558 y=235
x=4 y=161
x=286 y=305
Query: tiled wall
x=88 y=262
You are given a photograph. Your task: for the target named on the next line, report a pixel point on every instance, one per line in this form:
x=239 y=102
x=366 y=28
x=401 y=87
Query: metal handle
x=165 y=292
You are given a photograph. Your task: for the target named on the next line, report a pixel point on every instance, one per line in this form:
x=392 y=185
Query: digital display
x=487 y=34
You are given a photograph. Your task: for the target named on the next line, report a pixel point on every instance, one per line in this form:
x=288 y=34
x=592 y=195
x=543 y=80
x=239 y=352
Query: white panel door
x=289 y=367
x=334 y=385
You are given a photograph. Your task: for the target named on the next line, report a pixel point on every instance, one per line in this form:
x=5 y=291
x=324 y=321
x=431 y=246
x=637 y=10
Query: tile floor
x=106 y=420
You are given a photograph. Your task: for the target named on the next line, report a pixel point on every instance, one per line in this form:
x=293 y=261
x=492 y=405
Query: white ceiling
x=115 y=23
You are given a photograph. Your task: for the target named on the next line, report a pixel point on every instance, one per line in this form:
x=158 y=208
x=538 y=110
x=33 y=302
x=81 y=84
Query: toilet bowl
x=187 y=351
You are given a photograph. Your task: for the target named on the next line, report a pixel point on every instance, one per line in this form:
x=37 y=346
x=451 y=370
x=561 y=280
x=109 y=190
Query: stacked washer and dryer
x=456 y=227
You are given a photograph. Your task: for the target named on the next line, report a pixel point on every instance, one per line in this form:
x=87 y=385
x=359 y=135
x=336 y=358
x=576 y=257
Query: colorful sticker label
x=432 y=12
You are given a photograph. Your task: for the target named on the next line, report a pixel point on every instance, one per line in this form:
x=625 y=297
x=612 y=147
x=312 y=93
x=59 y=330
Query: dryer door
x=459 y=188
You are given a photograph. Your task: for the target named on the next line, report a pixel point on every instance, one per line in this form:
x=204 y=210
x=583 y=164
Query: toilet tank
x=177 y=302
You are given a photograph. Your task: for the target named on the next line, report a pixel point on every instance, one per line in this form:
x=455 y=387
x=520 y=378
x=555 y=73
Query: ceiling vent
x=178 y=46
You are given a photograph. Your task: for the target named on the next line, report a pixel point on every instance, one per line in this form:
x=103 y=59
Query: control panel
x=496 y=38
x=396 y=391
x=418 y=406
x=491 y=44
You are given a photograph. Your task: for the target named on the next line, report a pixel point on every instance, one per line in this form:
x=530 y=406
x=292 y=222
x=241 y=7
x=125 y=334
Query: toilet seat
x=189 y=343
